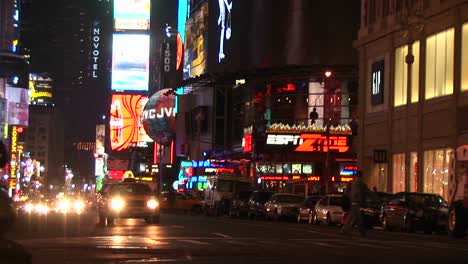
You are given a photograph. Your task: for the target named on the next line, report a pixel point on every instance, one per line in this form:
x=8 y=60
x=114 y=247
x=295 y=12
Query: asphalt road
x=183 y=238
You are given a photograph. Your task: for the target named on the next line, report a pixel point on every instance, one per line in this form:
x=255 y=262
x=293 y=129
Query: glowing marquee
x=310 y=142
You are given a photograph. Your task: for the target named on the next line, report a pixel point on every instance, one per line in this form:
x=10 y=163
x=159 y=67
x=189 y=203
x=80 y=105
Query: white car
x=282 y=206
x=328 y=209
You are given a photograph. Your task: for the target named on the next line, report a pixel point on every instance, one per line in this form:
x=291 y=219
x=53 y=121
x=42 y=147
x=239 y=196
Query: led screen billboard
x=126 y=128
x=40 y=89
x=18 y=106
x=196 y=43
x=130 y=62
x=132 y=14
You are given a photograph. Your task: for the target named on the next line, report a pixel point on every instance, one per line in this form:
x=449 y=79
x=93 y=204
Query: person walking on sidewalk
x=356 y=192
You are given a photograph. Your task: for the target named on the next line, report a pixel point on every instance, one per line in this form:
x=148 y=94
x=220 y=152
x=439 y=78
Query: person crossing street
x=356 y=192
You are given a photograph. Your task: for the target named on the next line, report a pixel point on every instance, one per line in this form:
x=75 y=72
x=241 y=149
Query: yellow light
x=117 y=204
x=63 y=206
x=78 y=206
x=152 y=204
x=28 y=207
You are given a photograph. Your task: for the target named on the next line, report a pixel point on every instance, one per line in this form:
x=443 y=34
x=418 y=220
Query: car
x=329 y=209
x=127 y=199
x=182 y=201
x=239 y=205
x=371 y=210
x=256 y=202
x=283 y=206
x=306 y=211
x=411 y=211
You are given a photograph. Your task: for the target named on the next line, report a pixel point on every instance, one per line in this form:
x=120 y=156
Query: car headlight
x=117 y=204
x=41 y=209
x=28 y=207
x=63 y=206
x=152 y=204
x=78 y=206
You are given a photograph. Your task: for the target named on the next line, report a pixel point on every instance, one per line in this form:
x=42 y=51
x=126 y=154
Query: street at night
x=184 y=238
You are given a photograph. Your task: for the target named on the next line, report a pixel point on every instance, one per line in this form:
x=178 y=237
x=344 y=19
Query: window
x=398 y=172
x=439 y=64
x=436 y=163
x=401 y=76
x=415 y=74
x=379 y=177
x=413 y=177
x=464 y=58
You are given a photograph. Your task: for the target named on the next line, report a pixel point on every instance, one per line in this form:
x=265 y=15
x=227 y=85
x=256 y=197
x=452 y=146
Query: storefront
x=305 y=160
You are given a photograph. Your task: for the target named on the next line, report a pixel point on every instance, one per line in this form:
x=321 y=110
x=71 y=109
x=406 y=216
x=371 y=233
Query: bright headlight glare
x=78 y=205
x=28 y=207
x=64 y=205
x=117 y=204
x=152 y=204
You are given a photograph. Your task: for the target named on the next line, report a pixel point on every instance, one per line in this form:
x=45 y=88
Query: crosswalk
x=141 y=242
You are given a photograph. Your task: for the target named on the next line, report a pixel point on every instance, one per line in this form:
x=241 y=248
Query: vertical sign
x=14 y=157
x=95 y=50
x=377 y=84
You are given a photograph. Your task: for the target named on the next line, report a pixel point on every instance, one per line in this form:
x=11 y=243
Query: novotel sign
x=309 y=142
x=96 y=39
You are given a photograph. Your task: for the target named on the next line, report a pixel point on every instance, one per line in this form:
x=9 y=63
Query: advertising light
x=310 y=142
x=159 y=117
x=40 y=89
x=126 y=129
x=130 y=62
x=18 y=106
x=132 y=14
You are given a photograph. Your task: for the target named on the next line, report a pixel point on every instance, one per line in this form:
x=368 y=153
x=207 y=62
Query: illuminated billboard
x=40 y=90
x=132 y=14
x=196 y=43
x=18 y=106
x=126 y=128
x=130 y=62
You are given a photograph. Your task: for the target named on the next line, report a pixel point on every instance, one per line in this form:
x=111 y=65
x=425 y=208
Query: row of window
x=439 y=67
x=435 y=178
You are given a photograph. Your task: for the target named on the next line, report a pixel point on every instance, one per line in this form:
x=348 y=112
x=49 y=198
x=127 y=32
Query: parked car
x=239 y=205
x=127 y=199
x=372 y=209
x=412 y=211
x=283 y=206
x=329 y=209
x=306 y=211
x=182 y=201
x=256 y=203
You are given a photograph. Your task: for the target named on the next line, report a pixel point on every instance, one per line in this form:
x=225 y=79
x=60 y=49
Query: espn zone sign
x=310 y=142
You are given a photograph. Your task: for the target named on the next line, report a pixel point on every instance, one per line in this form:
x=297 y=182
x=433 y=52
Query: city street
x=200 y=239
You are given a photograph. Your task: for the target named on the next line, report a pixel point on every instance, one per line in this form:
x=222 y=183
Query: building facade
x=256 y=92
x=413 y=91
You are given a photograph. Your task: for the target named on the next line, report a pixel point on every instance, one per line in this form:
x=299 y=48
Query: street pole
x=160 y=153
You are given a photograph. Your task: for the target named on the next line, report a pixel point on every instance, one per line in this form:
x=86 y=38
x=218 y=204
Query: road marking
x=359 y=243
x=313 y=232
x=196 y=242
x=327 y=245
x=177 y=226
x=222 y=235
x=235 y=242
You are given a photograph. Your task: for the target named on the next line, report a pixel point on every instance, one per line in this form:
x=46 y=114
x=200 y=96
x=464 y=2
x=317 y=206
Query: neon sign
x=313 y=178
x=247 y=143
x=274 y=178
x=310 y=142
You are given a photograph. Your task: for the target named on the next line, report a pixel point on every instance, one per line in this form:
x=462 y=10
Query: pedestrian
x=356 y=192
x=374 y=189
